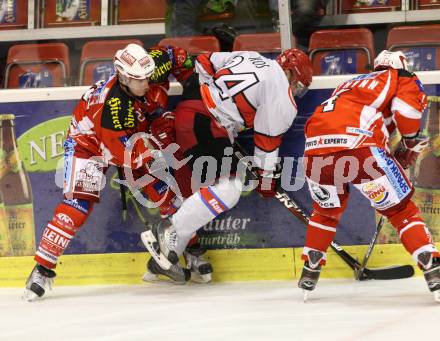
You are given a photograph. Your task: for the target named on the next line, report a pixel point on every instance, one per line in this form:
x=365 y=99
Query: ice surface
x=338 y=310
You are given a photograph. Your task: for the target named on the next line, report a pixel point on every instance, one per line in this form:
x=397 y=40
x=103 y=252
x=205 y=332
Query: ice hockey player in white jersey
x=229 y=93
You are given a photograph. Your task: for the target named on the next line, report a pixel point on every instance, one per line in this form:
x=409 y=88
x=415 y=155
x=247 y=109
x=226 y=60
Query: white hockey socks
x=202 y=207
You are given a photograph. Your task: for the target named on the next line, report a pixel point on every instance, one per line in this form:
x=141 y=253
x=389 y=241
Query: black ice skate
x=161 y=240
x=201 y=269
x=38 y=282
x=431 y=272
x=176 y=273
x=310 y=273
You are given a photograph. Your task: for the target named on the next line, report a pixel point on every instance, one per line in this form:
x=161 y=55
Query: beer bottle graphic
x=426 y=173
x=5 y=242
x=15 y=189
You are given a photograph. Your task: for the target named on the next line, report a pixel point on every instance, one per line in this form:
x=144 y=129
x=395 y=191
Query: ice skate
x=431 y=272
x=309 y=279
x=176 y=273
x=200 y=268
x=38 y=282
x=310 y=273
x=160 y=241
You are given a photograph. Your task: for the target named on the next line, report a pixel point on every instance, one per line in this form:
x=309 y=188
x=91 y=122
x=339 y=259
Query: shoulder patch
x=118 y=112
x=111 y=115
x=163 y=66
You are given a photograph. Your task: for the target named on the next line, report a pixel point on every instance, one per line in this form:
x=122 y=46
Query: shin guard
x=320 y=233
x=59 y=232
x=413 y=232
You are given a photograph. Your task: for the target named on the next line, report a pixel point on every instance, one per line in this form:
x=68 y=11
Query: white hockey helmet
x=388 y=59
x=134 y=62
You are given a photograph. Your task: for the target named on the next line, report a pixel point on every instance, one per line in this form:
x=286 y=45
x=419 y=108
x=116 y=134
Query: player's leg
x=167 y=241
x=67 y=219
x=199 y=136
x=201 y=269
x=328 y=207
x=390 y=194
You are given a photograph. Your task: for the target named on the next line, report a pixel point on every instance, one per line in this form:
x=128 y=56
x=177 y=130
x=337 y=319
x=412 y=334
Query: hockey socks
x=59 y=232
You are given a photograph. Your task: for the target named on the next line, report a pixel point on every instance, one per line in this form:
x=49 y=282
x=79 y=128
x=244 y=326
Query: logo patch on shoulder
x=111 y=114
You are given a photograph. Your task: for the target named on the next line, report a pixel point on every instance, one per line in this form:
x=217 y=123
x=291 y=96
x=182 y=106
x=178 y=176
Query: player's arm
x=206 y=65
x=272 y=120
x=182 y=63
x=407 y=107
x=408 y=104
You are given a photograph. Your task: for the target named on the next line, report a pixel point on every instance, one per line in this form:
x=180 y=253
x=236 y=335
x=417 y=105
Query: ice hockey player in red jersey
x=105 y=118
x=231 y=92
x=347 y=142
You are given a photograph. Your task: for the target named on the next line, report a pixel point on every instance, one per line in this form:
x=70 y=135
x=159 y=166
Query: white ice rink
x=339 y=310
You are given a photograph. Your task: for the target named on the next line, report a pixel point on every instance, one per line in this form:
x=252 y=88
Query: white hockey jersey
x=245 y=90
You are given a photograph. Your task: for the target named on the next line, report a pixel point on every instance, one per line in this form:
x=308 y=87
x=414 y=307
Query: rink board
x=256 y=240
x=229 y=265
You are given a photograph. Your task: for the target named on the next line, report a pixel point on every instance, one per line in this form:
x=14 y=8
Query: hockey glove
x=409 y=149
x=163 y=129
x=268 y=182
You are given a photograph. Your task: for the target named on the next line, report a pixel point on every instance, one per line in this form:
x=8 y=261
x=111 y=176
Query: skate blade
x=437 y=296
x=148 y=239
x=150 y=277
x=306 y=295
x=29 y=296
x=159 y=279
x=201 y=279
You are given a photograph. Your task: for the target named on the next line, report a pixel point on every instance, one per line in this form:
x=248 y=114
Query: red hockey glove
x=409 y=149
x=163 y=128
x=268 y=182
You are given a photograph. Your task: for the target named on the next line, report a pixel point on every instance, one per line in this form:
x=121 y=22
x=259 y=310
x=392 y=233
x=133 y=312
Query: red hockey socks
x=58 y=233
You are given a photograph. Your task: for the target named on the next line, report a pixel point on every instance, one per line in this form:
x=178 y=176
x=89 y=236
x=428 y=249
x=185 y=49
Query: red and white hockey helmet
x=134 y=62
x=299 y=64
x=388 y=59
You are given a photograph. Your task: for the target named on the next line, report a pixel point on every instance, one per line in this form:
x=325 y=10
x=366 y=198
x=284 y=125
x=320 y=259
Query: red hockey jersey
x=363 y=112
x=104 y=120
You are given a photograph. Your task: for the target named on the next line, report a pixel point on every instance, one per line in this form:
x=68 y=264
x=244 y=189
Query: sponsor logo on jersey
x=129 y=119
x=359 y=131
x=161 y=71
x=376 y=193
x=118 y=116
x=326 y=142
x=163 y=63
x=115 y=106
x=393 y=172
x=324 y=195
x=128 y=58
x=320 y=193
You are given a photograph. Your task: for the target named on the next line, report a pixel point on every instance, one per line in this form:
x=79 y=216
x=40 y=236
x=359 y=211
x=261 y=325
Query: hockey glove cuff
x=409 y=149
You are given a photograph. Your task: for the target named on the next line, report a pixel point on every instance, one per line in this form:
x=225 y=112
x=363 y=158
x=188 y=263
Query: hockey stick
x=393 y=272
x=360 y=271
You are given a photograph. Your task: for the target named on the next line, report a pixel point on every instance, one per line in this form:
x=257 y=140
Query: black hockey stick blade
x=388 y=273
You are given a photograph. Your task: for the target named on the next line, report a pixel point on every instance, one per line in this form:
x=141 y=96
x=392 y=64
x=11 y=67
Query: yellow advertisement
x=425 y=175
x=17 y=229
